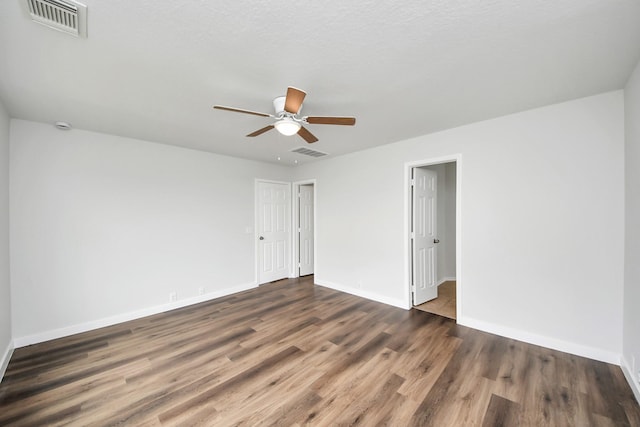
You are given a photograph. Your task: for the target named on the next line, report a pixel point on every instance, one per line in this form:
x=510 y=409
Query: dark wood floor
x=290 y=353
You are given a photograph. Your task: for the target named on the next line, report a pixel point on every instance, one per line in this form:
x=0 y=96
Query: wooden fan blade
x=347 y=121
x=239 y=110
x=261 y=131
x=306 y=135
x=294 y=100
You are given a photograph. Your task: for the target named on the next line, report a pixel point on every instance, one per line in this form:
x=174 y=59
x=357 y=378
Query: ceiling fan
x=288 y=118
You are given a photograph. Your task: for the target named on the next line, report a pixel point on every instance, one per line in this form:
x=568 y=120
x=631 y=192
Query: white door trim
x=256 y=226
x=408 y=166
x=296 y=224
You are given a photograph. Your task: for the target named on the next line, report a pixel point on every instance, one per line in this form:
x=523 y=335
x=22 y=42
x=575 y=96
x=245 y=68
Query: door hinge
x=413 y=182
x=413 y=235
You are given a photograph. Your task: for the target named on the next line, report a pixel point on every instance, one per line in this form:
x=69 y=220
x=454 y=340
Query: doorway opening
x=433 y=236
x=304 y=241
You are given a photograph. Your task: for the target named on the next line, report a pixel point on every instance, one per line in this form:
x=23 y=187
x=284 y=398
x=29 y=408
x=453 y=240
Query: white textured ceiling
x=152 y=69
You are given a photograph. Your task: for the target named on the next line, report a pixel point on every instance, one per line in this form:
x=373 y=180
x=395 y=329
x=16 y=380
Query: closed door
x=274 y=228
x=424 y=238
x=306 y=230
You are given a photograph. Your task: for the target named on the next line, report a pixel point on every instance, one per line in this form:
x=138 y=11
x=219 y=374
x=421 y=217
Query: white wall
x=446 y=221
x=542 y=222
x=632 y=227
x=449 y=267
x=5 y=292
x=104 y=228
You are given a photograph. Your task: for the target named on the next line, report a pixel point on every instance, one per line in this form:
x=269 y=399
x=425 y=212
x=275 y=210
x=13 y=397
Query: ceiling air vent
x=308 y=152
x=66 y=16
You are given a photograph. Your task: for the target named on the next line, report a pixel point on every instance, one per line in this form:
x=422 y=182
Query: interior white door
x=424 y=239
x=274 y=230
x=305 y=244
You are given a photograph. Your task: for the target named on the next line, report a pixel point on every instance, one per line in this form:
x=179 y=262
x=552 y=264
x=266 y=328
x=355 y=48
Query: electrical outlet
x=173 y=296
x=201 y=290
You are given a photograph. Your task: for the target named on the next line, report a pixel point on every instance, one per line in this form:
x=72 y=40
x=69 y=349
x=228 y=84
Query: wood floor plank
x=292 y=353
x=501 y=412
x=232 y=385
x=257 y=403
x=432 y=360
x=369 y=405
x=447 y=388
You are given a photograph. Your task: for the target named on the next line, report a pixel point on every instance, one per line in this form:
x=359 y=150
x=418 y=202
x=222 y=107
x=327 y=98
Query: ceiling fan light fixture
x=287 y=126
x=288 y=120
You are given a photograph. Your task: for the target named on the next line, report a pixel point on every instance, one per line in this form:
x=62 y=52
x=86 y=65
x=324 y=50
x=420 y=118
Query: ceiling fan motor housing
x=278 y=105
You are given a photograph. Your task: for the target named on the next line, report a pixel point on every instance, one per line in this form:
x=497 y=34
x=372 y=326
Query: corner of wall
x=6 y=336
x=631 y=316
x=446 y=279
x=4 y=361
x=628 y=374
x=364 y=294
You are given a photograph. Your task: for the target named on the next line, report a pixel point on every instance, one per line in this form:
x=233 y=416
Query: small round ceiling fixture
x=63 y=125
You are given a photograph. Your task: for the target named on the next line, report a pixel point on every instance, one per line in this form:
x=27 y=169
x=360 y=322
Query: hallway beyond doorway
x=445 y=304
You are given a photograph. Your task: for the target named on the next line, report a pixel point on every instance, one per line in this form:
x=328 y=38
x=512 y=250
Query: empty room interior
x=294 y=213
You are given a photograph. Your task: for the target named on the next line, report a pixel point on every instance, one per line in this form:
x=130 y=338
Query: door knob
x=436 y=240
x=261 y=238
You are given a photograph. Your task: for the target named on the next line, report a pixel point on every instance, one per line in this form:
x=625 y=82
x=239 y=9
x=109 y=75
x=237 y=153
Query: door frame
x=256 y=225
x=408 y=167
x=295 y=250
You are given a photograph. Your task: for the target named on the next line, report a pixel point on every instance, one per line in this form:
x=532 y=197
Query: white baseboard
x=125 y=317
x=364 y=294
x=446 y=279
x=553 y=343
x=629 y=375
x=543 y=341
x=4 y=362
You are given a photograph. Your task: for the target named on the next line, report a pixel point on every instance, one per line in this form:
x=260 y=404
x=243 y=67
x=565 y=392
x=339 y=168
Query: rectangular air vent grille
x=66 y=16
x=308 y=152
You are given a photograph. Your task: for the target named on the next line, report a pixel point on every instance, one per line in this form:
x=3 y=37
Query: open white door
x=274 y=228
x=424 y=239
x=306 y=229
